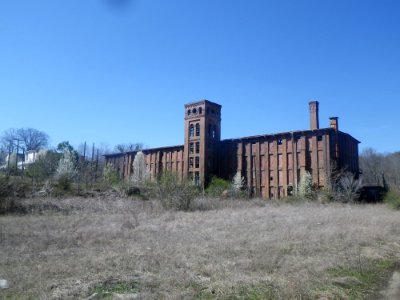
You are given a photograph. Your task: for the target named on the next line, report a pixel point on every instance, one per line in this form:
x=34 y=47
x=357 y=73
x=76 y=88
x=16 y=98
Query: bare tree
x=33 y=139
x=348 y=189
x=27 y=138
x=8 y=140
x=380 y=169
x=371 y=165
x=122 y=148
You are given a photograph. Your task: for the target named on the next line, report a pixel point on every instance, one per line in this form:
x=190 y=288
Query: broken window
x=197 y=178
x=191 y=148
x=290 y=190
x=197 y=129
x=191 y=162
x=191 y=130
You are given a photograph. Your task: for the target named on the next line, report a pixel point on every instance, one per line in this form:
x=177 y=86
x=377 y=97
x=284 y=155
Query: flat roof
x=299 y=132
x=201 y=102
x=144 y=150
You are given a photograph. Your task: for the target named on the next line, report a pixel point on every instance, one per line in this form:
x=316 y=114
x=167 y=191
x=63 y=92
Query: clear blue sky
x=120 y=71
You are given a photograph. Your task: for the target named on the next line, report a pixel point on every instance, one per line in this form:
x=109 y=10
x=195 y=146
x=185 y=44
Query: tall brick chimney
x=314 y=118
x=334 y=123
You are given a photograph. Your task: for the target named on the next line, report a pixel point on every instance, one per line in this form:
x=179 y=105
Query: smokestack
x=334 y=123
x=314 y=118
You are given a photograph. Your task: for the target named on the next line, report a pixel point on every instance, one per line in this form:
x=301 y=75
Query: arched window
x=188 y=112
x=191 y=130
x=194 y=110
x=197 y=129
x=200 y=110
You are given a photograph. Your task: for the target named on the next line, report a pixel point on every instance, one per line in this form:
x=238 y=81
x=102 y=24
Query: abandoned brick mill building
x=271 y=164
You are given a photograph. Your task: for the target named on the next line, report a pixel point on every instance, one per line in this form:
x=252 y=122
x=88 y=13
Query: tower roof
x=204 y=101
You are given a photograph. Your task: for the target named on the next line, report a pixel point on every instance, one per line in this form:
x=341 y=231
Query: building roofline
x=201 y=102
x=350 y=136
x=328 y=129
x=143 y=150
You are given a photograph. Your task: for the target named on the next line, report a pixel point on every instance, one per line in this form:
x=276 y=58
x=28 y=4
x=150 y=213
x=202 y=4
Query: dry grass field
x=111 y=247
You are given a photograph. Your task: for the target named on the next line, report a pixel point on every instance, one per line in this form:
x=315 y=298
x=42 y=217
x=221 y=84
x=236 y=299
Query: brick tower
x=202 y=137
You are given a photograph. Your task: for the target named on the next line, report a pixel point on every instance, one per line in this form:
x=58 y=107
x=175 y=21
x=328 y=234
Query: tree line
x=59 y=166
x=381 y=169
x=85 y=164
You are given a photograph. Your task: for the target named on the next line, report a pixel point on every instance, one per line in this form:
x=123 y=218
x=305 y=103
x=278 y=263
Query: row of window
x=195 y=178
x=192 y=148
x=195 y=111
x=194 y=162
x=192 y=129
x=199 y=111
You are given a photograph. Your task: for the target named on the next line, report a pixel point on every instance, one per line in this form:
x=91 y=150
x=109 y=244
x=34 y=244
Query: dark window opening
x=279 y=141
x=191 y=130
x=197 y=178
x=191 y=162
x=197 y=129
x=290 y=190
x=191 y=148
x=271 y=178
x=197 y=162
x=194 y=110
x=319 y=138
x=200 y=110
x=188 y=111
x=197 y=147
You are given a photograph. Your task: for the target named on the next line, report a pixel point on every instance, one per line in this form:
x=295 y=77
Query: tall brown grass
x=64 y=249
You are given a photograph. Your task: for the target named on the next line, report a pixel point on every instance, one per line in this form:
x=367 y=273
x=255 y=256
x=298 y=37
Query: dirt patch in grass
x=234 y=250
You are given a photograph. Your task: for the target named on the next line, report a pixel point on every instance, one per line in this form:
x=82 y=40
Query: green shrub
x=305 y=188
x=392 y=199
x=110 y=175
x=217 y=186
x=5 y=186
x=44 y=167
x=21 y=186
x=12 y=188
x=175 y=193
x=63 y=185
